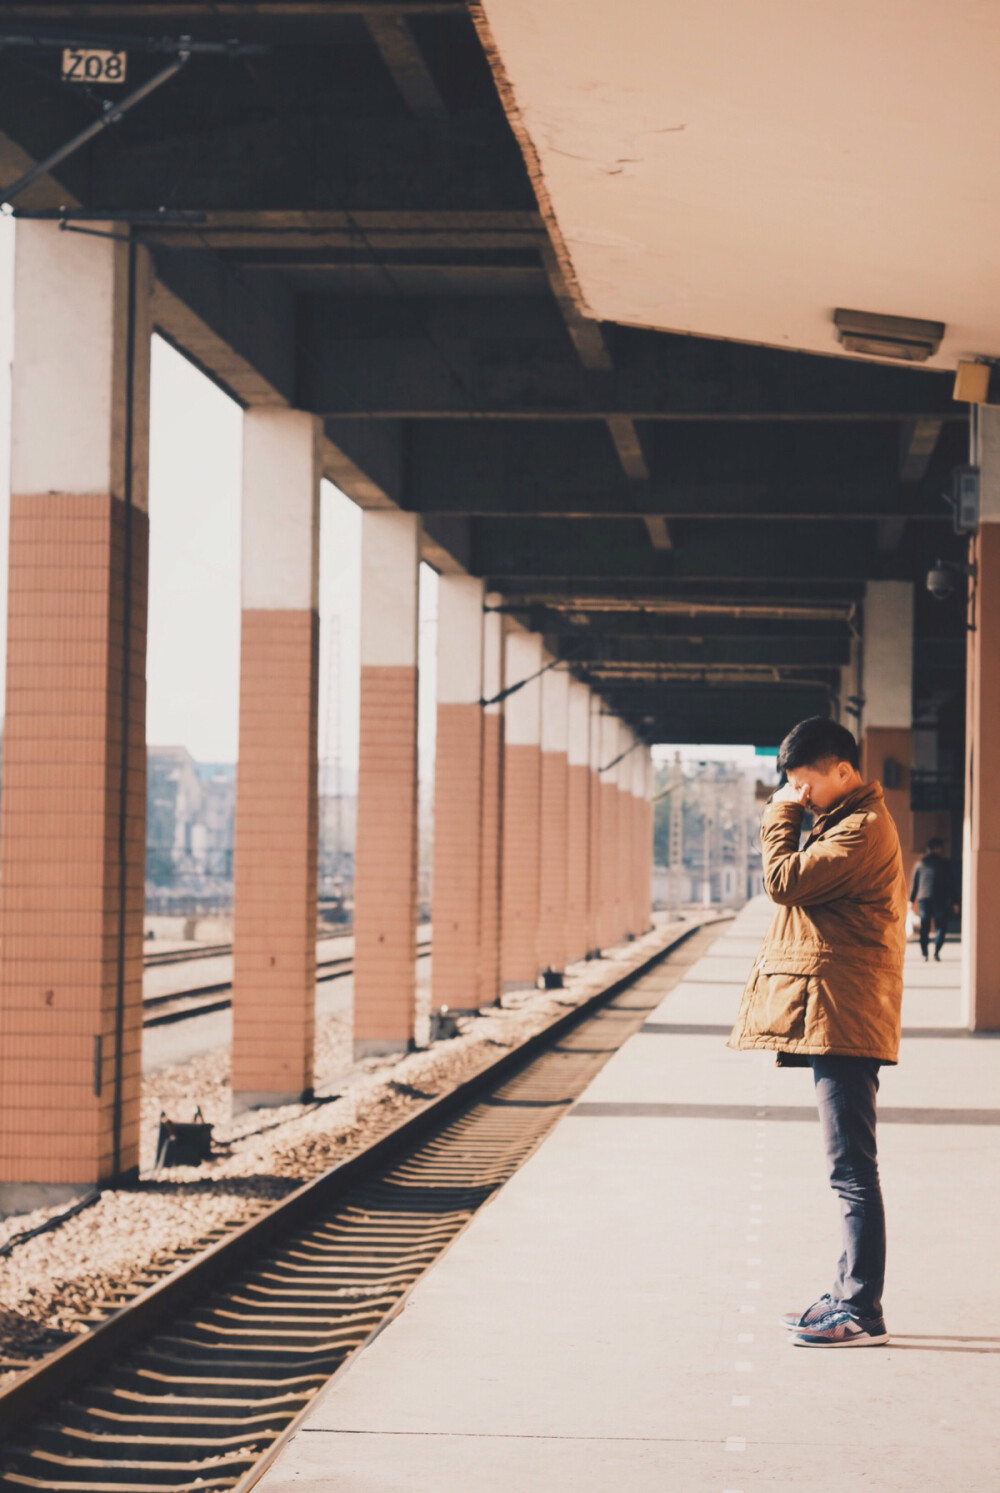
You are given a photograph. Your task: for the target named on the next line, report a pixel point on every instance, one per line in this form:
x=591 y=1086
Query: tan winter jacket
x=829 y=978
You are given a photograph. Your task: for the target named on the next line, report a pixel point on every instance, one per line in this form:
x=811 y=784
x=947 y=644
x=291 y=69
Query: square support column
x=609 y=912
x=458 y=787
x=595 y=878
x=553 y=819
x=981 y=850
x=626 y=833
x=521 y=805
x=642 y=848
x=887 y=685
x=577 y=822
x=74 y=766
x=276 y=831
x=385 y=867
x=490 y=836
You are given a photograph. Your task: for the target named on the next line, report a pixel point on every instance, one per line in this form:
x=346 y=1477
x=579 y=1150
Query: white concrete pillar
x=595 y=879
x=608 y=919
x=276 y=829
x=458 y=786
x=492 y=802
x=553 y=818
x=521 y=808
x=887 y=686
x=74 y=766
x=577 y=821
x=626 y=826
x=981 y=839
x=385 y=872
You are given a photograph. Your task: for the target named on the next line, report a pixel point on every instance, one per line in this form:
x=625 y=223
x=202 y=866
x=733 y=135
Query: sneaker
x=797 y=1320
x=838 y=1329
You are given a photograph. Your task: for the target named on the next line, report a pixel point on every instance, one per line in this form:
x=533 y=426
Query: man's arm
x=800 y=878
x=916 y=879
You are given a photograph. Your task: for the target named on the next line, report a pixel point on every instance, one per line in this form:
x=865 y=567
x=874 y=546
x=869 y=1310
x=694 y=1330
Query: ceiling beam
x=565 y=468
x=789 y=651
x=618 y=550
x=378 y=357
x=399 y=51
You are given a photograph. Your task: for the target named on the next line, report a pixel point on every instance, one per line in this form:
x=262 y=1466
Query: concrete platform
x=609 y=1322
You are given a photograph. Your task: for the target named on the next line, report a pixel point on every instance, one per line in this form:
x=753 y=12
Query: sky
x=194 y=580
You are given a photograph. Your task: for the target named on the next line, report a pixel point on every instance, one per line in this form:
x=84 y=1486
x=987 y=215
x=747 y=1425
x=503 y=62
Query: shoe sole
x=850 y=1342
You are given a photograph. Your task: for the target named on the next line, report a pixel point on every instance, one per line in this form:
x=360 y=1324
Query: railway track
x=196 y=1383
x=202 y=1000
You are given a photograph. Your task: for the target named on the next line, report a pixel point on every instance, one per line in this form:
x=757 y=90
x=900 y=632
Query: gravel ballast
x=66 y=1280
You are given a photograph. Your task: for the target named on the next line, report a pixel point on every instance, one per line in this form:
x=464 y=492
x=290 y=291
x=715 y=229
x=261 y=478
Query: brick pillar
x=626 y=834
x=519 y=892
x=981 y=851
x=887 y=686
x=491 y=806
x=595 y=877
x=646 y=868
x=385 y=868
x=74 y=780
x=641 y=849
x=275 y=840
x=458 y=817
x=577 y=821
x=608 y=915
x=552 y=857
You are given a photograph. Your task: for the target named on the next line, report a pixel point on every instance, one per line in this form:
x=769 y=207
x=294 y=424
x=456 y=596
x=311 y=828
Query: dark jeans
x=845 y=1094
x=939 y=913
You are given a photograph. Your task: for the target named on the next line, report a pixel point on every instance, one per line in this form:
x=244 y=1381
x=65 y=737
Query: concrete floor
x=609 y=1322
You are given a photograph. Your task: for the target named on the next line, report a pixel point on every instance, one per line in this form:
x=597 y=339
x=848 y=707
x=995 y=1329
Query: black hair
x=814 y=741
x=936 y=844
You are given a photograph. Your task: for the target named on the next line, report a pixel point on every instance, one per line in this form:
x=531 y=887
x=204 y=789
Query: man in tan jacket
x=826 y=992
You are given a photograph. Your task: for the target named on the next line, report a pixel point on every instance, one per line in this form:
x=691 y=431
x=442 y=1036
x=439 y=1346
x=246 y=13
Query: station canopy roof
x=561 y=279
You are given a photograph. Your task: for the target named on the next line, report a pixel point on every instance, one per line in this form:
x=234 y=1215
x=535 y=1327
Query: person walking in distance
x=932 y=896
x=826 y=992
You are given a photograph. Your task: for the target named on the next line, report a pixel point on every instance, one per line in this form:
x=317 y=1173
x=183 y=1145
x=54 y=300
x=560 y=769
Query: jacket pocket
x=780 y=1004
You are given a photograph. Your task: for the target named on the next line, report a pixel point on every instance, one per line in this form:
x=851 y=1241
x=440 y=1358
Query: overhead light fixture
x=901 y=337
x=972 y=383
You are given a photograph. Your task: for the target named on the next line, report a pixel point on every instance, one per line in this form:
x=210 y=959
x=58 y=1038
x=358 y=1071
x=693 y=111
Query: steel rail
x=197 y=1381
x=206 y=1004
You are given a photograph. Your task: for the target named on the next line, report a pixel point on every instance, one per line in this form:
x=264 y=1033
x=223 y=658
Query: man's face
x=828 y=783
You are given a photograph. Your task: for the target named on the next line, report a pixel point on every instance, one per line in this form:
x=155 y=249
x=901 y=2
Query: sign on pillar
x=492 y=802
x=458 y=788
x=74 y=770
x=521 y=805
x=552 y=957
x=385 y=869
x=577 y=821
x=276 y=831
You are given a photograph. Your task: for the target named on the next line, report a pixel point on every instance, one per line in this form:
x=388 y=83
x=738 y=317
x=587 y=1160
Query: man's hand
x=792 y=795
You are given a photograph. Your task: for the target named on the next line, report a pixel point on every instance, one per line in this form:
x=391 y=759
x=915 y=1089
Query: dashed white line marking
x=741 y=1401
x=755 y=1207
x=745 y=1337
x=742 y=1366
x=746 y=1310
x=736 y=1443
x=753 y=1285
x=753 y=1238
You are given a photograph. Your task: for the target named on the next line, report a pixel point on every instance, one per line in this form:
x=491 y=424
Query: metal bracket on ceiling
x=180 y=49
